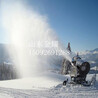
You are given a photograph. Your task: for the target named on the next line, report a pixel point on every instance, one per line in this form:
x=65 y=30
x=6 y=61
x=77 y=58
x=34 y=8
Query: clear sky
x=75 y=21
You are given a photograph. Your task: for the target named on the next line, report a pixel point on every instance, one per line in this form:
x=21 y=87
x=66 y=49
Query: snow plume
x=28 y=32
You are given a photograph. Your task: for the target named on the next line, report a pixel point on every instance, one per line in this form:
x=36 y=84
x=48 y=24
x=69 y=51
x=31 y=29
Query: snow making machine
x=78 y=72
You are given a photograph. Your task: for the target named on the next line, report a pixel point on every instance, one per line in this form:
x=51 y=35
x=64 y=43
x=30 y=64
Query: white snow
x=45 y=80
x=46 y=85
x=3 y=95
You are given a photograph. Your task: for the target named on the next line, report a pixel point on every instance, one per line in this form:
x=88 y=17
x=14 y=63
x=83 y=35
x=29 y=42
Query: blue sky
x=75 y=21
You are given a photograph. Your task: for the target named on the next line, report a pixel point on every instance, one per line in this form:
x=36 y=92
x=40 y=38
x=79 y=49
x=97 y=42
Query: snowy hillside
x=47 y=85
x=91 y=56
x=3 y=53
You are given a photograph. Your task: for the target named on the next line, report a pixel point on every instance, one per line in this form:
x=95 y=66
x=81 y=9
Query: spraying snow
x=25 y=27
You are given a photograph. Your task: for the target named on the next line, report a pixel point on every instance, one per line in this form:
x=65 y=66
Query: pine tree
x=69 y=48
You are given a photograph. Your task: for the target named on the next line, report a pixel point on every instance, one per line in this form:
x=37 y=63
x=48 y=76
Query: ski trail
x=59 y=91
x=56 y=92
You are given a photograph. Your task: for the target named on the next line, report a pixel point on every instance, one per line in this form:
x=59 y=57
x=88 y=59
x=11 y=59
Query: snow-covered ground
x=46 y=85
x=43 y=81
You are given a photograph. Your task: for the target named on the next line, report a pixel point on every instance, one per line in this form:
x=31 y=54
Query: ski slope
x=46 y=85
x=45 y=80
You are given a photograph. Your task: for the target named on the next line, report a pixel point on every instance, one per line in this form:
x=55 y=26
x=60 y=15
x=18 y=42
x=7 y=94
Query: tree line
x=7 y=72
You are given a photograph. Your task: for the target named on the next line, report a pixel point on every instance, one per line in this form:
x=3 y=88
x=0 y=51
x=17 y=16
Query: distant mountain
x=94 y=50
x=91 y=56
